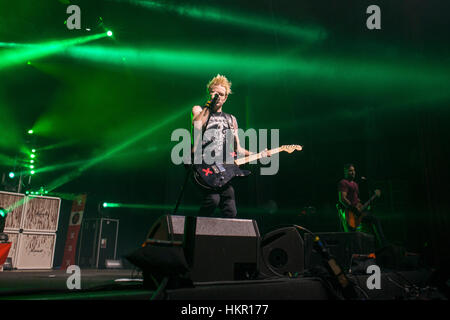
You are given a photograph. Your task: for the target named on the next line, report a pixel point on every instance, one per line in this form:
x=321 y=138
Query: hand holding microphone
x=211 y=104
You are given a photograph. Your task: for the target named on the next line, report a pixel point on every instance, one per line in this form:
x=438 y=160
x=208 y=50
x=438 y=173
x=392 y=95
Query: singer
x=213 y=119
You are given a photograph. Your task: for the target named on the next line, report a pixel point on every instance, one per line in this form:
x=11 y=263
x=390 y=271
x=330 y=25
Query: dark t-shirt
x=216 y=140
x=352 y=189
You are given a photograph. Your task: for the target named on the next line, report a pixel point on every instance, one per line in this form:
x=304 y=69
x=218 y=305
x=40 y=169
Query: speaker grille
x=282 y=252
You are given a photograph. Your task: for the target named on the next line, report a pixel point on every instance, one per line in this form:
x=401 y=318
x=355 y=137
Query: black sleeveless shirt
x=215 y=137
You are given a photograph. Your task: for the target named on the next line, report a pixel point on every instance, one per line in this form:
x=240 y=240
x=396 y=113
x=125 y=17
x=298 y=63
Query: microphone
x=212 y=103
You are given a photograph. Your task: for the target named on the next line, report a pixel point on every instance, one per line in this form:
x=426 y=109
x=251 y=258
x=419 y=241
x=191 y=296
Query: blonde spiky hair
x=220 y=80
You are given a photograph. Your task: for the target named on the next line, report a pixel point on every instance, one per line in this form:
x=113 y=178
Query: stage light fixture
x=31 y=167
x=32 y=155
x=109 y=33
x=105 y=205
x=3 y=214
x=32 y=172
x=31 y=161
x=30 y=131
x=12 y=175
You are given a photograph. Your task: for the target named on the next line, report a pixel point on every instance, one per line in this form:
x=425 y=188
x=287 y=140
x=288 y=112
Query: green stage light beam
x=147 y=206
x=267 y=25
x=343 y=76
x=11 y=134
x=132 y=140
x=64 y=195
x=6 y=160
x=22 y=53
x=81 y=163
x=57 y=145
x=246 y=210
x=111 y=152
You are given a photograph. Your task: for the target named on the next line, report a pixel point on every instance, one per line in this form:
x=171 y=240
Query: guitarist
x=216 y=121
x=348 y=193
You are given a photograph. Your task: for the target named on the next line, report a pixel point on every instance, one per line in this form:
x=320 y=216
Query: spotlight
x=109 y=33
x=3 y=214
x=32 y=172
x=31 y=161
x=33 y=150
x=30 y=131
x=105 y=204
x=32 y=155
x=12 y=175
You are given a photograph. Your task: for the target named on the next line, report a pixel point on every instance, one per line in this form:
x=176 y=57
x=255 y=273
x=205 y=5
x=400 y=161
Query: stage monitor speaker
x=224 y=249
x=282 y=253
x=341 y=245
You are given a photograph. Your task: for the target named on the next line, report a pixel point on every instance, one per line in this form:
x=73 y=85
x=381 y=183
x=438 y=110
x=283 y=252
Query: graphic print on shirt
x=215 y=137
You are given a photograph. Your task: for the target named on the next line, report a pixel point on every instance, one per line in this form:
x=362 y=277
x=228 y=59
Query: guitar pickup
x=220 y=167
x=215 y=169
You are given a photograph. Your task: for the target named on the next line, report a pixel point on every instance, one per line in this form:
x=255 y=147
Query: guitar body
x=354 y=218
x=217 y=175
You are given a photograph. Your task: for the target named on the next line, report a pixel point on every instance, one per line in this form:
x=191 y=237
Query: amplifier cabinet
x=14 y=203
x=31 y=226
x=35 y=250
x=98 y=242
x=41 y=214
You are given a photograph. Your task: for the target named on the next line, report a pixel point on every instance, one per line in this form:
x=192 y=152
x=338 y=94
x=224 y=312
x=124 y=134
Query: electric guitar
x=218 y=175
x=354 y=216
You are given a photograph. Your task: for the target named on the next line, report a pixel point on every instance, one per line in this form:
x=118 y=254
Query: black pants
x=374 y=224
x=224 y=199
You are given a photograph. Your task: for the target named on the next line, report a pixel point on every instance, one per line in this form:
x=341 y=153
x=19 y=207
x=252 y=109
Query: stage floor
x=121 y=284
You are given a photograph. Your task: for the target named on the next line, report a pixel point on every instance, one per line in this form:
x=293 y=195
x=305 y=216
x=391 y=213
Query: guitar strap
x=230 y=121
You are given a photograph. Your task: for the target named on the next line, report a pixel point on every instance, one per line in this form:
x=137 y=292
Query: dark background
x=376 y=98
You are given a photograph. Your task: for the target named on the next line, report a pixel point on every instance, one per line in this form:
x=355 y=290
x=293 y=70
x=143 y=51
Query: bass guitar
x=218 y=175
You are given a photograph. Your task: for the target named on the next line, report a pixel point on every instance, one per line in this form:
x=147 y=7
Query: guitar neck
x=255 y=157
x=368 y=202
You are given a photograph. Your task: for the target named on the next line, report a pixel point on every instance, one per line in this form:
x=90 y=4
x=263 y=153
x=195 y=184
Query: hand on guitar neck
x=363 y=207
x=268 y=153
x=355 y=214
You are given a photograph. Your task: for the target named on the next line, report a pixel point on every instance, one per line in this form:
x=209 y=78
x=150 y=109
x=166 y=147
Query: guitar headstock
x=378 y=192
x=291 y=148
